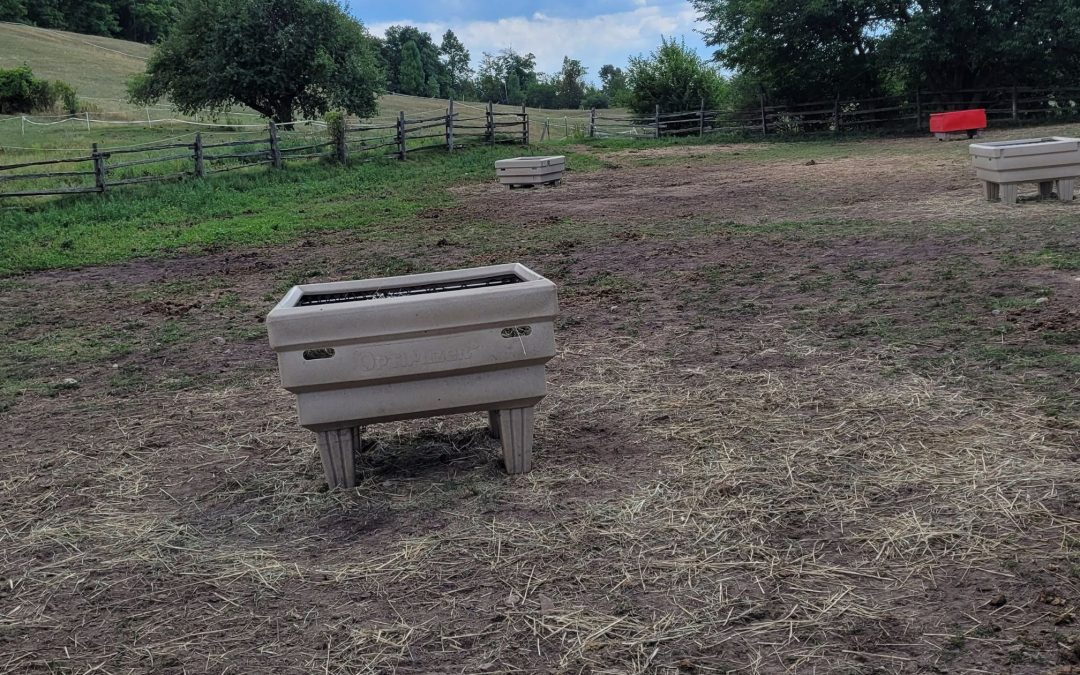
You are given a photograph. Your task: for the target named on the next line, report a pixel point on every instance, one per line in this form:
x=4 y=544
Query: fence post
x=1015 y=112
x=401 y=135
x=490 y=124
x=764 y=117
x=341 y=142
x=450 y=127
x=524 y=125
x=918 y=109
x=99 y=169
x=656 y=131
x=200 y=167
x=88 y=120
x=836 y=114
x=275 y=150
x=701 y=119
x=592 y=122
x=24 y=125
x=565 y=127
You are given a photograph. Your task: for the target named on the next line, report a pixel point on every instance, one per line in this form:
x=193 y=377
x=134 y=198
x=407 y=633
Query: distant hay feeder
x=530 y=171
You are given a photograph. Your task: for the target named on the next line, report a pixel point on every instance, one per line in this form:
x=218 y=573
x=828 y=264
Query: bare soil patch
x=913 y=181
x=762 y=452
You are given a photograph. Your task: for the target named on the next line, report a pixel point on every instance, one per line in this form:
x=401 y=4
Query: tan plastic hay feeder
x=530 y=171
x=377 y=350
x=1003 y=165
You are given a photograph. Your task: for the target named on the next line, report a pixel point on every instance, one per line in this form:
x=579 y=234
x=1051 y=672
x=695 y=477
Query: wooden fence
x=1013 y=105
x=104 y=169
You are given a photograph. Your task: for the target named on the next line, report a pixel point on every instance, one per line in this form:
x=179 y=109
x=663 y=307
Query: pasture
x=814 y=409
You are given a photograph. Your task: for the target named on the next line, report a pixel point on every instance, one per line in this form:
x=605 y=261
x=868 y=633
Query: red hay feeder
x=947 y=124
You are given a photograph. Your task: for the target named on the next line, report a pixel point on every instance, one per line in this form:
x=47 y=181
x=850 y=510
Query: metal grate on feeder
x=377 y=350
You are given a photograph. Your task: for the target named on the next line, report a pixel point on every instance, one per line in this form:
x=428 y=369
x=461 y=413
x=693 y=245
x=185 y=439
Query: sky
x=593 y=31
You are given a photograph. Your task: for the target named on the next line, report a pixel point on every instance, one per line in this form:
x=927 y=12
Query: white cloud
x=595 y=40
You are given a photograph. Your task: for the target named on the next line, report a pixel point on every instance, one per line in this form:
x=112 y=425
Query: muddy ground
x=803 y=418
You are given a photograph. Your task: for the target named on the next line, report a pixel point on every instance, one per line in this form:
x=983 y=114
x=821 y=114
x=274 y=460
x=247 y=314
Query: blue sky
x=594 y=31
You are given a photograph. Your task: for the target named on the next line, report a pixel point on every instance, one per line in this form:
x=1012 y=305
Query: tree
x=277 y=57
x=967 y=44
x=522 y=65
x=611 y=76
x=496 y=72
x=613 y=81
x=514 y=95
x=489 y=78
x=571 y=83
x=14 y=11
x=456 y=61
x=146 y=20
x=392 y=53
x=596 y=98
x=21 y=92
x=798 y=49
x=140 y=20
x=412 y=70
x=432 y=88
x=542 y=94
x=673 y=77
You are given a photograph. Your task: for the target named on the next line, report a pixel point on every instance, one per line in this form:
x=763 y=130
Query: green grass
x=262 y=206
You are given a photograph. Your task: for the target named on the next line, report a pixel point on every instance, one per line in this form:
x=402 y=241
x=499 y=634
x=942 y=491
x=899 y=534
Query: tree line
x=795 y=51
x=135 y=20
x=788 y=50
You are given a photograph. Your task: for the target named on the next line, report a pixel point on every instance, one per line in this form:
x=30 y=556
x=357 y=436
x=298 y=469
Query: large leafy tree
x=411 y=71
x=673 y=77
x=812 y=49
x=504 y=77
x=278 y=57
x=571 y=83
x=146 y=20
x=613 y=81
x=14 y=10
x=800 y=49
x=456 y=61
x=392 y=53
x=962 y=44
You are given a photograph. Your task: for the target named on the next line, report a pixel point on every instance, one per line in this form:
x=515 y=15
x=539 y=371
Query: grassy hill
x=97 y=67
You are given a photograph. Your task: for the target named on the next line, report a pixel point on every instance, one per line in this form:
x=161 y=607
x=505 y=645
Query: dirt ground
x=803 y=418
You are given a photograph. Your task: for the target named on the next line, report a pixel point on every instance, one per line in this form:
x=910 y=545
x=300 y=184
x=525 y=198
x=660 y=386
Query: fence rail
x=101 y=170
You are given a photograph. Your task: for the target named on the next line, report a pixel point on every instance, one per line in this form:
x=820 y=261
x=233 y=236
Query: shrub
x=335 y=126
x=21 y=92
x=597 y=99
x=675 y=78
x=66 y=95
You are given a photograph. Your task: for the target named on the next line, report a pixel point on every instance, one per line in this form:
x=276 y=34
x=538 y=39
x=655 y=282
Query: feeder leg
x=516 y=432
x=1008 y=193
x=991 y=191
x=337 y=447
x=493 y=423
x=1065 y=189
x=1046 y=189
